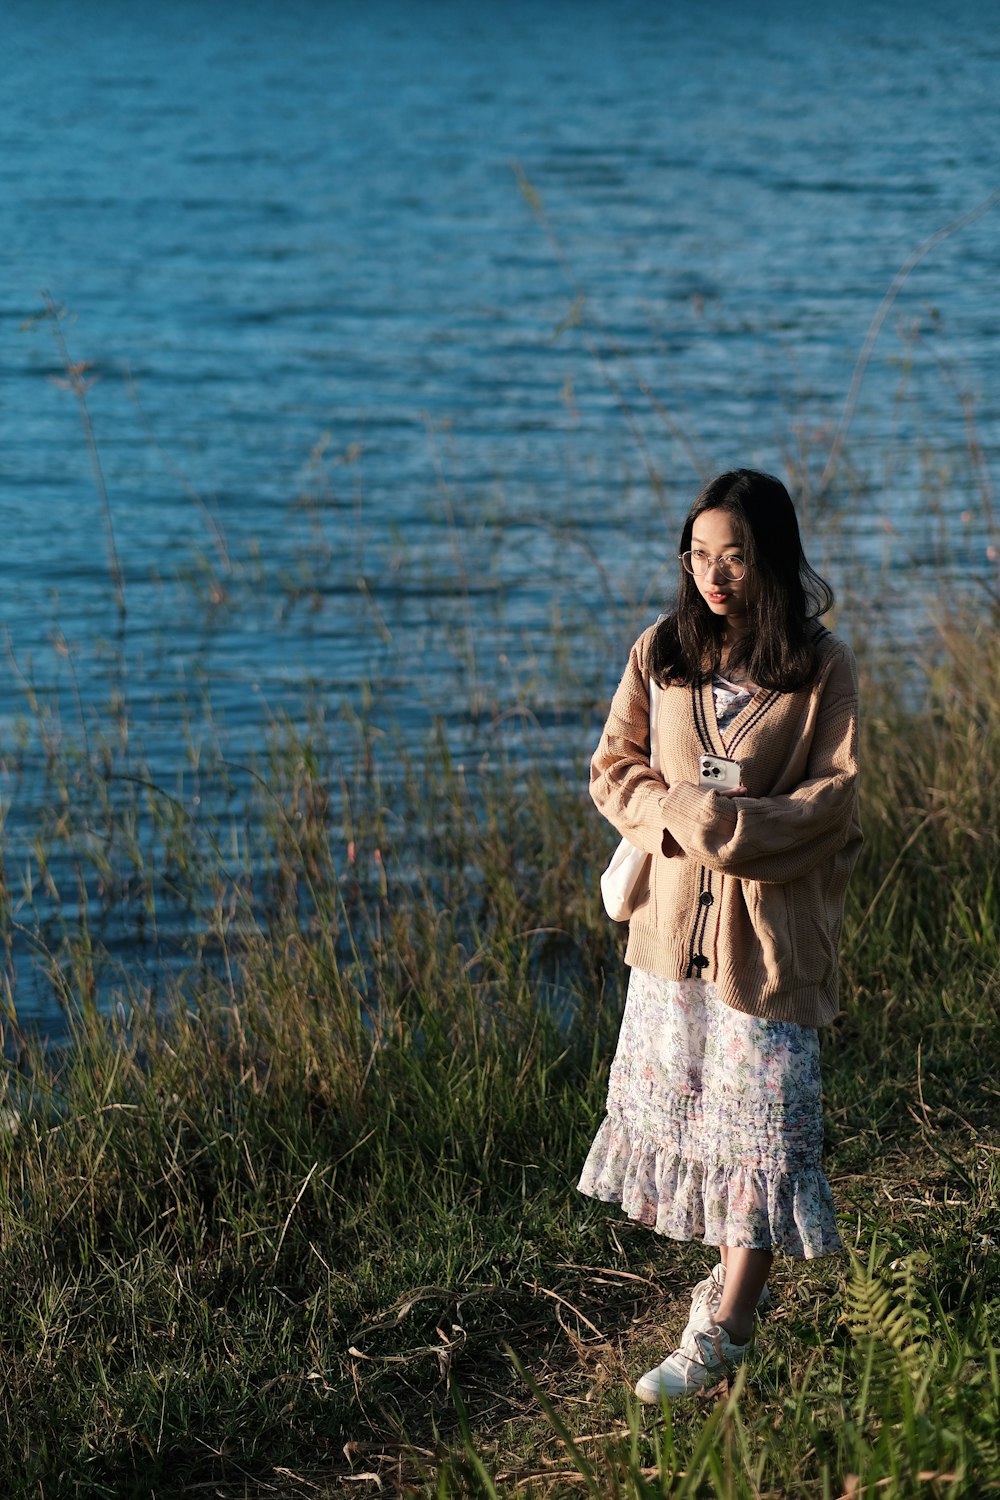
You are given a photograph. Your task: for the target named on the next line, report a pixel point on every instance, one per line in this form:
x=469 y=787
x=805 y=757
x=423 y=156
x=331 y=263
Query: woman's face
x=714 y=536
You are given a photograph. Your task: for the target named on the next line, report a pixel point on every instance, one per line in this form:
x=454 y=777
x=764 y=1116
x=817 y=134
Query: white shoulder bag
x=626 y=880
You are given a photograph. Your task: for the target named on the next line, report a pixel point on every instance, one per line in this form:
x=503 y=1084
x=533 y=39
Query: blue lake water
x=408 y=325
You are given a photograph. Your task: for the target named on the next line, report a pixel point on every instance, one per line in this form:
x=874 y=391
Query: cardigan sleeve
x=625 y=789
x=779 y=838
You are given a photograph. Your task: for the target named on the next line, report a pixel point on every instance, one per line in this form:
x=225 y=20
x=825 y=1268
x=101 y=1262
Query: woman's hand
x=731 y=791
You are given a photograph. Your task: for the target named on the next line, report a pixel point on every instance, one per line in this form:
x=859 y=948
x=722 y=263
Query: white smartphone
x=719 y=773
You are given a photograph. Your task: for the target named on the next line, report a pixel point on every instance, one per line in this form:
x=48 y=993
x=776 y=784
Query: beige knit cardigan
x=747 y=892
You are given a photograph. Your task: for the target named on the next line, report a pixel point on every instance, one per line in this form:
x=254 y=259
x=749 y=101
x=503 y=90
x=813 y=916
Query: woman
x=714 y=1128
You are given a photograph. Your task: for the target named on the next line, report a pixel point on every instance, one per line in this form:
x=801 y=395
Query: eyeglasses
x=698 y=563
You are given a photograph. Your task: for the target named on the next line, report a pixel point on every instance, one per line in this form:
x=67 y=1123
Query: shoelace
x=707 y=1350
x=705 y=1292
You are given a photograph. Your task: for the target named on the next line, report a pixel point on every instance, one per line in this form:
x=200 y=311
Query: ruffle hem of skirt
x=742 y=1206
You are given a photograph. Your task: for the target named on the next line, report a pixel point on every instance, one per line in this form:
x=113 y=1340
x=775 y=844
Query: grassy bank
x=307 y=1226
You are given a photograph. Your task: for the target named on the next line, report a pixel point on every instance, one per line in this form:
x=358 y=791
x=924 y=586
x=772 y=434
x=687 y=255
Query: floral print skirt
x=714 y=1128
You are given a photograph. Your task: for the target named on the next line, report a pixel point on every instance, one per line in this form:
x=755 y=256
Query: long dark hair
x=788 y=596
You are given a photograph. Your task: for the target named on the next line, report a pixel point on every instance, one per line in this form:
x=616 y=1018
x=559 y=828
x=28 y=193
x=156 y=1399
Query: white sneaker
x=706 y=1299
x=702 y=1360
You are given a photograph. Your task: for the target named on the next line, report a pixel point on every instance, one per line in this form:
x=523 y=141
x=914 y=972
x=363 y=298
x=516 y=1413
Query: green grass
x=305 y=1224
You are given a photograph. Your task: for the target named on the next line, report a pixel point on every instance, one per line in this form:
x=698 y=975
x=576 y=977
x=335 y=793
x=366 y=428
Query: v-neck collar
x=711 y=718
x=707 y=721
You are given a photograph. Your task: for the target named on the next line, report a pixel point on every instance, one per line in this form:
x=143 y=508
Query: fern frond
x=884 y=1304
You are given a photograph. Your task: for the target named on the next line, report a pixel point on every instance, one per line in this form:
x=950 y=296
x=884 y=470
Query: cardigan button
x=706 y=898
